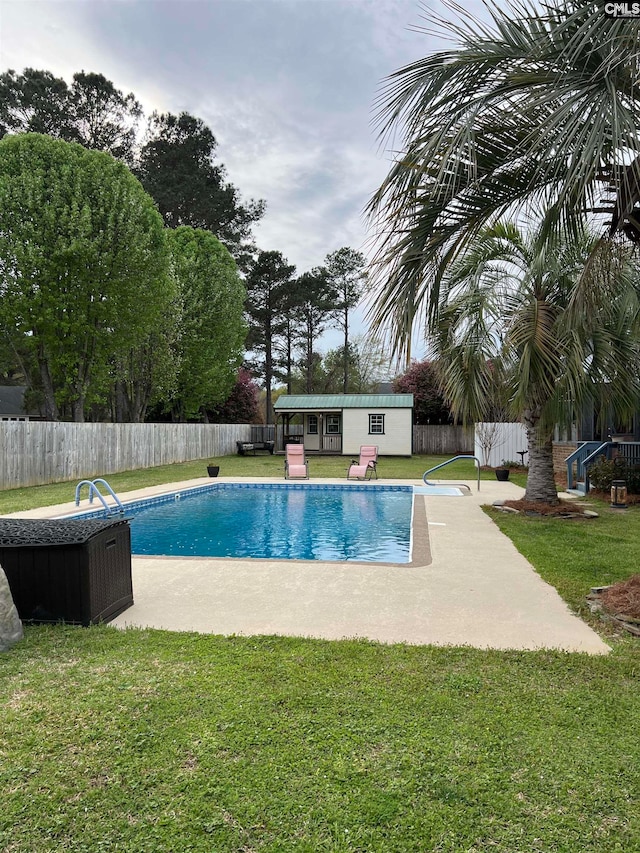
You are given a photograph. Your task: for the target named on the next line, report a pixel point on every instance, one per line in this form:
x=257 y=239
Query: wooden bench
x=247 y=447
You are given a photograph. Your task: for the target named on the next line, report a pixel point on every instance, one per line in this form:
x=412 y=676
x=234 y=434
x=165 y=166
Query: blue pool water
x=278 y=522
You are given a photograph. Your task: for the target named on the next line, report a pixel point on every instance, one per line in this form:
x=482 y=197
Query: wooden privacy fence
x=36 y=452
x=444 y=440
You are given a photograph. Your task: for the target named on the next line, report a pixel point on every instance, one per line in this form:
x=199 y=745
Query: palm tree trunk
x=541 y=485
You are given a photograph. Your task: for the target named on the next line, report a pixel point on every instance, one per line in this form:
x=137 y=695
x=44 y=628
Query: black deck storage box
x=71 y=570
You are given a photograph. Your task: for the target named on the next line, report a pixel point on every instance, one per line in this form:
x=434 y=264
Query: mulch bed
x=619 y=603
x=563 y=509
x=623 y=597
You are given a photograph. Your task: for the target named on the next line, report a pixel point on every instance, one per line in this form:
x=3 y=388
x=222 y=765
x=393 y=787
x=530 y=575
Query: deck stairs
x=588 y=452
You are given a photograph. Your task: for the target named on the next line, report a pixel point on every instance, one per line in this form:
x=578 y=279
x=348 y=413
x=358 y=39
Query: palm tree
x=540 y=107
x=552 y=324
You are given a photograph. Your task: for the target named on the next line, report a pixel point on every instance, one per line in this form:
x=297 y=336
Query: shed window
x=332 y=423
x=376 y=424
x=312 y=424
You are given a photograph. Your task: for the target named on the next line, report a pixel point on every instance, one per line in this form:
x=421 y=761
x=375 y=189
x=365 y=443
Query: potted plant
x=502 y=473
x=213 y=470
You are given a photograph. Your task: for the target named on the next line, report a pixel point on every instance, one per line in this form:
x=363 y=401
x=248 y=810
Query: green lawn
x=152 y=741
x=260 y=465
x=574 y=555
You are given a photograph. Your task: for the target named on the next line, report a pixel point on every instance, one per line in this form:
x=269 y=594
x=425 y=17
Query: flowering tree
x=421 y=380
x=242 y=405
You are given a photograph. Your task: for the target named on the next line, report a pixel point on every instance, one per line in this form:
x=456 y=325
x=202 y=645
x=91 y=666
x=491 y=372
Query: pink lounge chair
x=365 y=467
x=296 y=466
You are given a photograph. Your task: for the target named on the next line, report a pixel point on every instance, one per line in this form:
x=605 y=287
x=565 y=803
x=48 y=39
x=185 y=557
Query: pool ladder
x=442 y=464
x=94 y=490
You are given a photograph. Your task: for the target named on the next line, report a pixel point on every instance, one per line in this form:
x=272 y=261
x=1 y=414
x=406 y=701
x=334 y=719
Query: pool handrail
x=93 y=489
x=453 y=459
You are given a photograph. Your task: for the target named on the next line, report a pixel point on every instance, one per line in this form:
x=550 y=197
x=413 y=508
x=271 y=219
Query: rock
x=498 y=503
x=589 y=513
x=630 y=619
x=10 y=624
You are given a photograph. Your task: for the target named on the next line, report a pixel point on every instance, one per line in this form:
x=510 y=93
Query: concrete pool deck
x=467 y=585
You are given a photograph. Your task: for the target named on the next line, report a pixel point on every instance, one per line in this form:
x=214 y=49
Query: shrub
x=603 y=472
x=633 y=479
x=509 y=463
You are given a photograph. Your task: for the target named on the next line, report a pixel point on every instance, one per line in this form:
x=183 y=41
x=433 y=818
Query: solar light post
x=619 y=494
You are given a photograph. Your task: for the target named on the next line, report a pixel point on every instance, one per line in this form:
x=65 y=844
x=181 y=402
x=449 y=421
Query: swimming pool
x=439 y=489
x=276 y=522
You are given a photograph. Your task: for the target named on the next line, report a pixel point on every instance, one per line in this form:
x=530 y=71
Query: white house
x=342 y=423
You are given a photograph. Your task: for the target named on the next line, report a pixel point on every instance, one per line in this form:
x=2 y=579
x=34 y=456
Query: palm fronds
x=536 y=108
x=547 y=325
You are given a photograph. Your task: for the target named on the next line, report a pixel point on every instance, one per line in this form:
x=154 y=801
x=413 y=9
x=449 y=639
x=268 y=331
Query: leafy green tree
x=328 y=376
x=313 y=374
x=315 y=297
x=518 y=313
x=146 y=375
x=374 y=363
x=84 y=267
x=295 y=311
x=540 y=108
x=177 y=169
x=103 y=117
x=211 y=330
x=35 y=102
x=346 y=269
x=284 y=346
x=12 y=369
x=368 y=367
x=423 y=381
x=176 y=163
x=269 y=281
x=91 y=111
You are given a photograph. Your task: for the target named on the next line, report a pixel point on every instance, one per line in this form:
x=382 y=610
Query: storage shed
x=342 y=423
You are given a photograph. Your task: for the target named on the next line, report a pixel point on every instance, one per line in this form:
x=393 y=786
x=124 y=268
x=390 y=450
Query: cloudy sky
x=287 y=86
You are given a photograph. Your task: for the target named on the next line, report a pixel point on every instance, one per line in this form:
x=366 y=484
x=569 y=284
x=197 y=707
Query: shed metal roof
x=290 y=402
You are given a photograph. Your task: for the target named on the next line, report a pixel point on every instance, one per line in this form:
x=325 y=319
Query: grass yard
x=260 y=465
x=150 y=741
x=146 y=740
x=575 y=555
